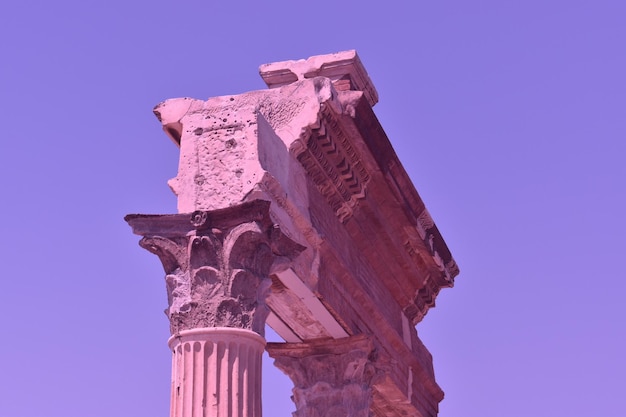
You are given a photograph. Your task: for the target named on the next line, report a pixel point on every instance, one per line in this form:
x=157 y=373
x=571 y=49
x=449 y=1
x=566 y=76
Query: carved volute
x=217 y=264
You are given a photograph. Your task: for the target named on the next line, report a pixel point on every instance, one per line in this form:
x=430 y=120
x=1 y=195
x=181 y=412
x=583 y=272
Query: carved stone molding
x=217 y=264
x=332 y=377
x=335 y=167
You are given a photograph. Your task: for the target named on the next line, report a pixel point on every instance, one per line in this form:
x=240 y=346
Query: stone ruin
x=295 y=212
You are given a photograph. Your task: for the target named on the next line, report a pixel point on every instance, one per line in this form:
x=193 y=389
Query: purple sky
x=510 y=117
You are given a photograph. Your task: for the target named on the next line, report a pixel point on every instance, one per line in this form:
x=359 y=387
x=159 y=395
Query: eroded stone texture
x=217 y=264
x=221 y=152
x=331 y=377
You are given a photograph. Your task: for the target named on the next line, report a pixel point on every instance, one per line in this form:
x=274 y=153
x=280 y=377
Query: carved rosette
x=217 y=264
x=331 y=377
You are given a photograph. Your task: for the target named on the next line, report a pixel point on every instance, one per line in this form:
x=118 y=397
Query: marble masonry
x=294 y=211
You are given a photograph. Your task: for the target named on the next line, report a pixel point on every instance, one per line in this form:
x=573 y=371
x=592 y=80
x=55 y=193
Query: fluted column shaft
x=216 y=373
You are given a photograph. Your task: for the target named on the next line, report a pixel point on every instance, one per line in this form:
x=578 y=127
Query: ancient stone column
x=217 y=266
x=331 y=377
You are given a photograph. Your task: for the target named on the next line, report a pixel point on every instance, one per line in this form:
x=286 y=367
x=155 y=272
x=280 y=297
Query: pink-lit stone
x=217 y=264
x=331 y=377
x=344 y=254
x=217 y=267
x=344 y=69
x=221 y=151
x=216 y=372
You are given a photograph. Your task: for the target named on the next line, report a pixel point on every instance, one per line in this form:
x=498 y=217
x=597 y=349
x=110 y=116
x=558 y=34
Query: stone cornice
x=343 y=68
x=331 y=161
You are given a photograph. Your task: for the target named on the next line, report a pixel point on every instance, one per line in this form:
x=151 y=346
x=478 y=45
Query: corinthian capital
x=217 y=263
x=331 y=377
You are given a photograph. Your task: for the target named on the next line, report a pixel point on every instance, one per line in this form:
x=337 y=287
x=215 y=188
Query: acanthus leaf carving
x=331 y=377
x=217 y=271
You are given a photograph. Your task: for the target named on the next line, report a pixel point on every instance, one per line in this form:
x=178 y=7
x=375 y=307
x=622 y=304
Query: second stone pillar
x=332 y=377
